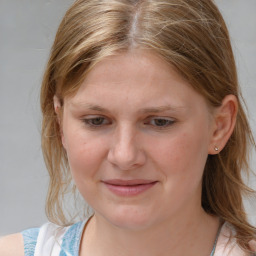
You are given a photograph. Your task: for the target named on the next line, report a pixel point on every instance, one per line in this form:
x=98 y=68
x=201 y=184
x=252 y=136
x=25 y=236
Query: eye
x=96 y=121
x=160 y=122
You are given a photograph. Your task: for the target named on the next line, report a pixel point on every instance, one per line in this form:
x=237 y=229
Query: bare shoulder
x=252 y=245
x=12 y=245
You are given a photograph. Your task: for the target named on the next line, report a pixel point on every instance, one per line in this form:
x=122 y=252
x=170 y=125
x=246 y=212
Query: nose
x=125 y=151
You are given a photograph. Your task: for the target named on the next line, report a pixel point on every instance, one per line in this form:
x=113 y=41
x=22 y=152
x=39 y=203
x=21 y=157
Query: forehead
x=139 y=64
x=136 y=80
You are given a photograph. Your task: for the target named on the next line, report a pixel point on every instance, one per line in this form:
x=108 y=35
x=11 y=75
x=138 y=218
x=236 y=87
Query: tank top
x=53 y=240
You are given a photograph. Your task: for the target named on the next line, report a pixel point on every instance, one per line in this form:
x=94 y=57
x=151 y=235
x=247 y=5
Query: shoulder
x=252 y=245
x=12 y=245
x=227 y=244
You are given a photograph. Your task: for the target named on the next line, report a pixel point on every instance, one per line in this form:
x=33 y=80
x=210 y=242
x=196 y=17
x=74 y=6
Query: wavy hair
x=192 y=36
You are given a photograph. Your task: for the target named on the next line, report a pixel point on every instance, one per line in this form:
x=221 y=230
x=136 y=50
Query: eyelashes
x=154 y=122
x=96 y=121
x=160 y=122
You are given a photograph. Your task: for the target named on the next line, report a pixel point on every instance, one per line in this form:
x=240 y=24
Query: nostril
x=126 y=159
x=125 y=152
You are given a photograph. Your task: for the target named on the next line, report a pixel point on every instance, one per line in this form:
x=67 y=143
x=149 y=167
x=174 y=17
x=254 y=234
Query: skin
x=135 y=118
x=12 y=245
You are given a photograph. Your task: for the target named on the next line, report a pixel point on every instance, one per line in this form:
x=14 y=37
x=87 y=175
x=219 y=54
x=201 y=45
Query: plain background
x=27 y=29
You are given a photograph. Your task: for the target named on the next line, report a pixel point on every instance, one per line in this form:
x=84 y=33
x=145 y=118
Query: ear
x=56 y=103
x=57 y=109
x=223 y=124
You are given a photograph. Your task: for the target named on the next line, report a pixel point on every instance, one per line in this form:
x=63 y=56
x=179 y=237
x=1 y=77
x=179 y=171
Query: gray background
x=27 y=29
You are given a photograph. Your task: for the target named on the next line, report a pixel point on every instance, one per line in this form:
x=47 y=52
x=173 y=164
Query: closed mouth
x=137 y=182
x=128 y=188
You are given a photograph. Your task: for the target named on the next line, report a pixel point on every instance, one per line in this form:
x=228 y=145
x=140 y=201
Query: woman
x=142 y=110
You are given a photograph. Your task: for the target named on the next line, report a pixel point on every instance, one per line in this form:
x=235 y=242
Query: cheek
x=181 y=158
x=84 y=154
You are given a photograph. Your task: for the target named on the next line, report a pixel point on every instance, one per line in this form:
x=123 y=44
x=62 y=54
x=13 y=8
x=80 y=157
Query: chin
x=130 y=218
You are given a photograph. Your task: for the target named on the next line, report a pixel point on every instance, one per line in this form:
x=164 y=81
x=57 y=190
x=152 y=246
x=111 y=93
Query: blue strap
x=71 y=240
x=30 y=240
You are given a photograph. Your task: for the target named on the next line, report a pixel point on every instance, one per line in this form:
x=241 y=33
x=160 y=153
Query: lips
x=128 y=187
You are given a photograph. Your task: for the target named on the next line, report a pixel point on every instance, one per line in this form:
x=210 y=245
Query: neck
x=193 y=235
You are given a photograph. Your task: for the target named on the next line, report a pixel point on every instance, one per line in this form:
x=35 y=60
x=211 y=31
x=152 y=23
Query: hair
x=192 y=36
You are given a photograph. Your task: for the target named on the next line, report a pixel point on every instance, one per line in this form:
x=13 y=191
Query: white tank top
x=53 y=240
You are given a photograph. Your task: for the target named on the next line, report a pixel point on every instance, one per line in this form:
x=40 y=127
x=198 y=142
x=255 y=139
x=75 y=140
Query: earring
x=216 y=148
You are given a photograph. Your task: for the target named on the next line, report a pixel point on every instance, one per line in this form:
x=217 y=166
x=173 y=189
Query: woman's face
x=137 y=138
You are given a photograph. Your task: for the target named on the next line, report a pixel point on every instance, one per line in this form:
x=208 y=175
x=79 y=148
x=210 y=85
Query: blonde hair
x=192 y=36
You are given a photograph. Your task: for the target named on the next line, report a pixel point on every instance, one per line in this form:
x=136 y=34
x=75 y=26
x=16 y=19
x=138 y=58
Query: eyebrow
x=161 y=109
x=158 y=109
x=89 y=106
